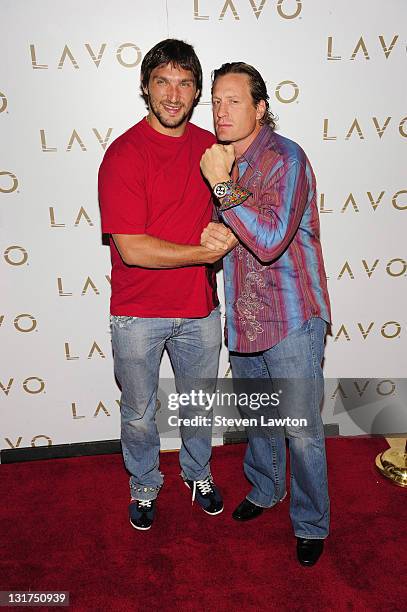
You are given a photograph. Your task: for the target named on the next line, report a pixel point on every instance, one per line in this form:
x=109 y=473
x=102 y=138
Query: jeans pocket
x=121 y=321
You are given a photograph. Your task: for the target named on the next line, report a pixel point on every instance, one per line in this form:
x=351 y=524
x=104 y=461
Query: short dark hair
x=175 y=52
x=258 y=87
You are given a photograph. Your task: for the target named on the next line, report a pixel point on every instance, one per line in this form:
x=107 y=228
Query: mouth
x=221 y=126
x=171 y=110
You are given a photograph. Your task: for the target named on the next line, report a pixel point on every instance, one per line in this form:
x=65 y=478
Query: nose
x=221 y=110
x=173 y=93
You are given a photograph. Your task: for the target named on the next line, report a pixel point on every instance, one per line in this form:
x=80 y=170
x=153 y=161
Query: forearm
x=266 y=223
x=150 y=252
x=267 y=239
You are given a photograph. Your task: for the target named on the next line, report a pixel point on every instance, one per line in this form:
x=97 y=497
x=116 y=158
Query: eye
x=186 y=83
x=215 y=102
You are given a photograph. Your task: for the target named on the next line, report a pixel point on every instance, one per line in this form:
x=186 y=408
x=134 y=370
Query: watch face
x=220 y=190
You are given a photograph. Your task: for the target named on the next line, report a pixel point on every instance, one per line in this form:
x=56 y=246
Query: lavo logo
x=3 y=101
x=75 y=138
x=287 y=9
x=286 y=86
x=94 y=349
x=100 y=408
x=374 y=201
x=360 y=49
x=395 y=268
x=16 y=255
x=31 y=385
x=22 y=322
x=355 y=128
x=389 y=330
x=8 y=182
x=286 y=92
x=88 y=285
x=82 y=215
x=382 y=388
x=35 y=439
x=95 y=56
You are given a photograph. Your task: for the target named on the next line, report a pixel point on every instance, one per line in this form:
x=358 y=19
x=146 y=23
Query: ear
x=260 y=110
x=197 y=94
x=143 y=88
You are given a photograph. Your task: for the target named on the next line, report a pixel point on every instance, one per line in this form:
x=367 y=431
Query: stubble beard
x=171 y=123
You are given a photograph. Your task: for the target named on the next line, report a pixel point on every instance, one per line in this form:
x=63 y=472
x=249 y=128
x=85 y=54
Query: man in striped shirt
x=277 y=304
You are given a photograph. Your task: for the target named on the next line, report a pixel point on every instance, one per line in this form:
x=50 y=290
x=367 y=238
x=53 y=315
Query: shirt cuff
x=235 y=195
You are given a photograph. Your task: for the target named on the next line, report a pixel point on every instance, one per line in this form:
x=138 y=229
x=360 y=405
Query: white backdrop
x=69 y=85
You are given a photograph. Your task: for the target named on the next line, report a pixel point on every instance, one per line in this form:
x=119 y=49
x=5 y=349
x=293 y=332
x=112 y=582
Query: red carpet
x=64 y=527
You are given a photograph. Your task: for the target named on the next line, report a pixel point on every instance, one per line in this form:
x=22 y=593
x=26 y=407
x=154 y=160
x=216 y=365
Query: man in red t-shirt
x=155 y=205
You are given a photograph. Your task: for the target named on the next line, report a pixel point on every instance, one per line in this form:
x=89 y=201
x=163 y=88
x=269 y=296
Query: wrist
x=208 y=256
x=201 y=255
x=222 y=190
x=219 y=178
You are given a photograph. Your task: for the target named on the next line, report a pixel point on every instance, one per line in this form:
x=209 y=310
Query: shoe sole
x=140 y=528
x=210 y=513
x=244 y=520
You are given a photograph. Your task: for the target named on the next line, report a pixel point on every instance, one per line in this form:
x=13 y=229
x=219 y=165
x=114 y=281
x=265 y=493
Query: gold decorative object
x=392 y=464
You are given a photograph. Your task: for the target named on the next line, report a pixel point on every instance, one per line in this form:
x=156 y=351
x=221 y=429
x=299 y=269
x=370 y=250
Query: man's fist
x=217 y=162
x=217 y=236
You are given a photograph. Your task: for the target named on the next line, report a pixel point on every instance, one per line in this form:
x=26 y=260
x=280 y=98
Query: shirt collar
x=252 y=155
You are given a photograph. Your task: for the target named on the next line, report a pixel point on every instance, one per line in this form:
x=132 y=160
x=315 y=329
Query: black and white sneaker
x=141 y=513
x=206 y=494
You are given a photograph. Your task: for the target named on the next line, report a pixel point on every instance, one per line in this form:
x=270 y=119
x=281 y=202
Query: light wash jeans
x=138 y=345
x=294 y=364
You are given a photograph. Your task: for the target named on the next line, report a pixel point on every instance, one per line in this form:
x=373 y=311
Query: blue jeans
x=299 y=356
x=138 y=345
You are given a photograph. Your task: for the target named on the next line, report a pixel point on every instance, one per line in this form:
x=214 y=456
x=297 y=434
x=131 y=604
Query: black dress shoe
x=246 y=511
x=309 y=551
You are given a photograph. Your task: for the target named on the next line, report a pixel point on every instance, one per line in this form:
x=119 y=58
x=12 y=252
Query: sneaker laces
x=144 y=503
x=204 y=487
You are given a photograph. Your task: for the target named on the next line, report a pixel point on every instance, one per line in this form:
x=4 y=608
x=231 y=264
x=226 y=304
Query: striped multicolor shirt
x=275 y=277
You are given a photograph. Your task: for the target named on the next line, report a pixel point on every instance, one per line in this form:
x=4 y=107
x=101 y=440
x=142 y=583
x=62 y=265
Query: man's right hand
x=218 y=237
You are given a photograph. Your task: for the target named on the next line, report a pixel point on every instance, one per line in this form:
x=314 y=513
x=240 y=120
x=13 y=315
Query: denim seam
x=265 y=370
x=275 y=470
x=277 y=501
x=309 y=536
x=316 y=408
x=205 y=475
x=314 y=393
x=256 y=503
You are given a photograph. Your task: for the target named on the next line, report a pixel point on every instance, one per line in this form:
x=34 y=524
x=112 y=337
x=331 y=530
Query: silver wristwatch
x=221 y=189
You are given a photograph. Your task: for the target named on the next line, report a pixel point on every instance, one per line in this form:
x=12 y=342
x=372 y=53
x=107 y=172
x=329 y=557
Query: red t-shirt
x=150 y=183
